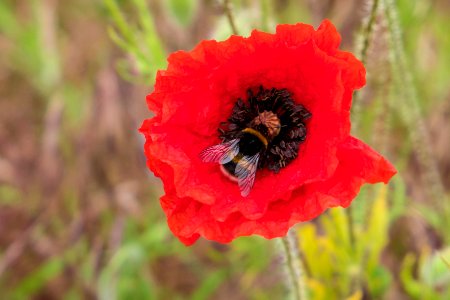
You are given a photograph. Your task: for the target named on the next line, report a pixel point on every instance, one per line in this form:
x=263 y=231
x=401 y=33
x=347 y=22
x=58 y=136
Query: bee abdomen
x=228 y=170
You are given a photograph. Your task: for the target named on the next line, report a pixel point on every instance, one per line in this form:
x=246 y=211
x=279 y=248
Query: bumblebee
x=239 y=157
x=263 y=132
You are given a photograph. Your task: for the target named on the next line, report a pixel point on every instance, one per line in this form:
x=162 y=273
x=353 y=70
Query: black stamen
x=270 y=106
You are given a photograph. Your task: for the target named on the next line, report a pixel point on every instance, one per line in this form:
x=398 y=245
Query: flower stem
x=351 y=227
x=230 y=17
x=294 y=266
x=411 y=113
x=368 y=30
x=363 y=43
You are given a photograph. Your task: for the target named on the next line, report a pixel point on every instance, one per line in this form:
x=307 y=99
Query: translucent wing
x=221 y=153
x=245 y=172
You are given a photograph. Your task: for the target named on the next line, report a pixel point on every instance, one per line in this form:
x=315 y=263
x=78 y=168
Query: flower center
x=273 y=118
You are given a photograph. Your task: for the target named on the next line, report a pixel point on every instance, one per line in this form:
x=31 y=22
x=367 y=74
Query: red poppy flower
x=284 y=98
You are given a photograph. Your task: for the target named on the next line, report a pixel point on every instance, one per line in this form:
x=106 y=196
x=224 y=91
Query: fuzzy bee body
x=263 y=132
x=239 y=157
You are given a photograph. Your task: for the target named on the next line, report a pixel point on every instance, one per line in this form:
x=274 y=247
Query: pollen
x=276 y=115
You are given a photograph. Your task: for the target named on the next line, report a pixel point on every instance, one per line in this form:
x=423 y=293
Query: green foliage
x=182 y=9
x=139 y=40
x=37 y=279
x=399 y=199
x=46 y=272
x=75 y=102
x=425 y=27
x=209 y=285
x=9 y=195
x=127 y=274
x=262 y=15
x=433 y=280
x=30 y=54
x=35 y=54
x=411 y=114
x=337 y=267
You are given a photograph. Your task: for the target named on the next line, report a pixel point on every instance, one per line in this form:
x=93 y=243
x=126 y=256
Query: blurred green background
x=79 y=212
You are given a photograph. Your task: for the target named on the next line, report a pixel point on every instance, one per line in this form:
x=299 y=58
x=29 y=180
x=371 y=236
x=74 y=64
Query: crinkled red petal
x=358 y=164
x=197 y=92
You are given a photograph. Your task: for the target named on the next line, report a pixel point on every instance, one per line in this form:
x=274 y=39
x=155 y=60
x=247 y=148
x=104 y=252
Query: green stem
x=230 y=17
x=294 y=266
x=410 y=110
x=351 y=227
x=368 y=31
x=363 y=45
x=265 y=8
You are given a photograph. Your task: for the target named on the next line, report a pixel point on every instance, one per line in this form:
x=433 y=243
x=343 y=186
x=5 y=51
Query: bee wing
x=245 y=172
x=221 y=153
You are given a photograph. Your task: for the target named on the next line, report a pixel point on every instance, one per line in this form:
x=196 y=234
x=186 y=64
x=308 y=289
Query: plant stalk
x=351 y=227
x=230 y=17
x=411 y=112
x=362 y=48
x=294 y=267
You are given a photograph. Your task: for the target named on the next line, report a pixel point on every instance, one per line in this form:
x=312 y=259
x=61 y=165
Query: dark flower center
x=272 y=116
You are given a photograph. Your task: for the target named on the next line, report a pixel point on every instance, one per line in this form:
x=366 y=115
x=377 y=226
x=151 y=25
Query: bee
x=239 y=157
